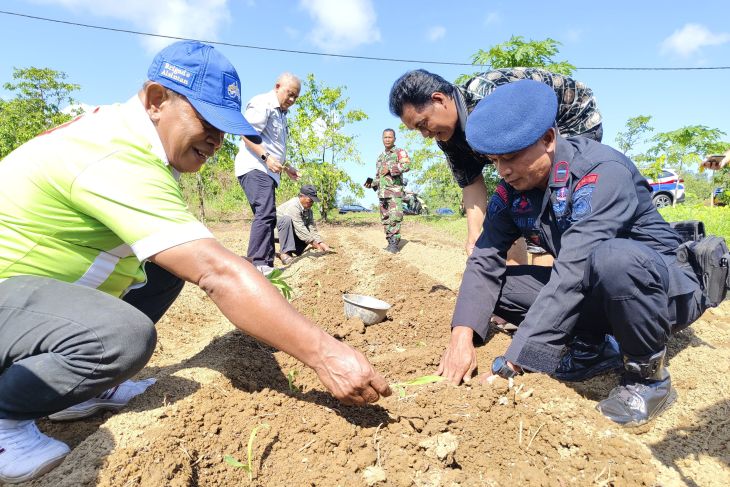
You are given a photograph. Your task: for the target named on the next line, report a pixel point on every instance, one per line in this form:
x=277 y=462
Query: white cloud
x=437 y=32
x=341 y=25
x=197 y=19
x=492 y=18
x=691 y=38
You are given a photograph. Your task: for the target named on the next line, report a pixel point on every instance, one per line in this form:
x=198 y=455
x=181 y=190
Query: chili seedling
x=247 y=467
x=279 y=282
x=292 y=386
x=418 y=381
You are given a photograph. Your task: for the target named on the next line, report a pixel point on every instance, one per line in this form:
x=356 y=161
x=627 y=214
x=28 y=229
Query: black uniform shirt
x=594 y=193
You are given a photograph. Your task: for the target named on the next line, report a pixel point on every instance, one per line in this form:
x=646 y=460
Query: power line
x=324 y=54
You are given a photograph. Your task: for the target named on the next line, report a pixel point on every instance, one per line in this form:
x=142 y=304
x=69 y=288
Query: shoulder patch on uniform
x=501 y=191
x=591 y=178
x=498 y=201
x=582 y=196
x=560 y=172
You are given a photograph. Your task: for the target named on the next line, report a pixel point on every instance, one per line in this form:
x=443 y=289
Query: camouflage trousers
x=391 y=216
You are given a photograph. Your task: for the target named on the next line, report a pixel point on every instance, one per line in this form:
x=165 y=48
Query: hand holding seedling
x=459 y=361
x=349 y=375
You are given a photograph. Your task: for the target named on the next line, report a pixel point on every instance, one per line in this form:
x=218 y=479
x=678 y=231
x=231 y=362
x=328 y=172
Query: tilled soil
x=216 y=384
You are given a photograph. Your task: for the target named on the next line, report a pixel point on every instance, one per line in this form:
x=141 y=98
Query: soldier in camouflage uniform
x=388 y=182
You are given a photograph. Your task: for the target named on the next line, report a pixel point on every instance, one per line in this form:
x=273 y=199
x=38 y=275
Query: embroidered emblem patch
x=177 y=74
x=560 y=173
x=591 y=178
x=560 y=204
x=521 y=205
x=496 y=205
x=582 y=202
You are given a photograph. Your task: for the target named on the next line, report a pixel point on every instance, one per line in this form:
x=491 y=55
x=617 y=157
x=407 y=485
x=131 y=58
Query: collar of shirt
x=142 y=123
x=274 y=101
x=461 y=110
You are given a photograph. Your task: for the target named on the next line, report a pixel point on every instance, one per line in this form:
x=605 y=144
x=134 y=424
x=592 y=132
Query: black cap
x=311 y=191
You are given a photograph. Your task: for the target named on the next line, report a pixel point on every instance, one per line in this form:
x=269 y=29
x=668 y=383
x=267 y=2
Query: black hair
x=415 y=88
x=390 y=130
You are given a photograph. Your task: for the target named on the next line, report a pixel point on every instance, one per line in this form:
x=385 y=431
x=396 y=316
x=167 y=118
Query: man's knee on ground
x=619 y=267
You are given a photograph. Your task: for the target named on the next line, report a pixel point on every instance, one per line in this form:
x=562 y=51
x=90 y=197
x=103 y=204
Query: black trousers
x=260 y=188
x=631 y=292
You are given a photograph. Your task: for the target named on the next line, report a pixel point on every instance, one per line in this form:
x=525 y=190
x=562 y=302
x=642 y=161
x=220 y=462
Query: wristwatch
x=265 y=156
x=502 y=369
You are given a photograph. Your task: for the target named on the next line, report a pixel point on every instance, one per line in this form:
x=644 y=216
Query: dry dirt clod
x=374 y=474
x=442 y=447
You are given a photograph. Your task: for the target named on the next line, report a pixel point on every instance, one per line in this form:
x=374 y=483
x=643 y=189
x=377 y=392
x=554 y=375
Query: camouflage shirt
x=577 y=113
x=390 y=167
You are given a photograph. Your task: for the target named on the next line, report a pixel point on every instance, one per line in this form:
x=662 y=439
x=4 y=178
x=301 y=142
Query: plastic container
x=369 y=309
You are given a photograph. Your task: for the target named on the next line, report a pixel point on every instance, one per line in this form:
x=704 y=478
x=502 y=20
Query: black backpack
x=708 y=256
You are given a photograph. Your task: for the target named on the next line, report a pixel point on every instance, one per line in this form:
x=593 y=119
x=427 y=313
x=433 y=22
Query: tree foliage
x=40 y=94
x=319 y=146
x=636 y=131
x=516 y=52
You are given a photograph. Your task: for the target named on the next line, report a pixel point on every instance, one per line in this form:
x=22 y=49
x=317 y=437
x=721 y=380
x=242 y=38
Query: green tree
x=637 y=129
x=517 y=52
x=319 y=146
x=686 y=145
x=40 y=93
x=214 y=192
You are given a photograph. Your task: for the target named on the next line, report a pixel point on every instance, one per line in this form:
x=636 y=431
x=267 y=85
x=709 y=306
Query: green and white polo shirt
x=88 y=201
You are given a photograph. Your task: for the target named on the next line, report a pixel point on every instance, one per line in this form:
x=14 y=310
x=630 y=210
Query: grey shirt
x=302 y=218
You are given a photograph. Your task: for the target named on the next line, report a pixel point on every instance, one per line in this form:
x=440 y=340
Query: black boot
x=392 y=245
x=645 y=391
x=586 y=358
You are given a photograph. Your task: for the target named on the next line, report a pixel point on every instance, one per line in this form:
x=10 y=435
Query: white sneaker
x=25 y=452
x=112 y=399
x=265 y=269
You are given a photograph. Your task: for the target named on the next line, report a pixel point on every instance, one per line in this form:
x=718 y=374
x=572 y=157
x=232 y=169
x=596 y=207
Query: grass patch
x=716 y=219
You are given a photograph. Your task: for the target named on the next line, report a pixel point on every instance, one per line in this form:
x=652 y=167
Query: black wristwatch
x=502 y=369
x=265 y=156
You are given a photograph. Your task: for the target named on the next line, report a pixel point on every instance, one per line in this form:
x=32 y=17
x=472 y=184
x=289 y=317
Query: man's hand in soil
x=348 y=374
x=324 y=247
x=459 y=361
x=247 y=299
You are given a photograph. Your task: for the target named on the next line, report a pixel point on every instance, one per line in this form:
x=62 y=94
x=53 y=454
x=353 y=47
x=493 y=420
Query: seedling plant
x=249 y=466
x=279 y=282
x=418 y=381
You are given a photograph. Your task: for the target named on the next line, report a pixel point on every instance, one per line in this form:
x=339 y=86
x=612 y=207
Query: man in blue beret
x=615 y=270
x=438 y=109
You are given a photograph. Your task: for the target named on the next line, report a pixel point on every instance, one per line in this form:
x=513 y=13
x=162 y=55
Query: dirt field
x=214 y=384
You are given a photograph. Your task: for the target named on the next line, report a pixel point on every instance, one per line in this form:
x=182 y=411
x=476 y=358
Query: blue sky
x=111 y=66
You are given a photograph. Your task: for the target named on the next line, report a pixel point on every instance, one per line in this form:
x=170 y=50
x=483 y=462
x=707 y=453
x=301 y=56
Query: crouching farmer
x=296 y=226
x=82 y=207
x=615 y=274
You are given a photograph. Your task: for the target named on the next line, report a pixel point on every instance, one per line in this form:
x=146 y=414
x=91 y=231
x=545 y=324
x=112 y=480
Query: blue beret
x=512 y=117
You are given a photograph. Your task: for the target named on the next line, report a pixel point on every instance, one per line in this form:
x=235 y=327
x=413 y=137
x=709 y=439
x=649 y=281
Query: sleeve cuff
x=168 y=237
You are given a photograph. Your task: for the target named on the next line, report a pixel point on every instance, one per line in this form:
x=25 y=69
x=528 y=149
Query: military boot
x=645 y=391
x=588 y=357
x=392 y=245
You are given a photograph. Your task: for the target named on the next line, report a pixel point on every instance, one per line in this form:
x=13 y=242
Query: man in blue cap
x=615 y=272
x=82 y=207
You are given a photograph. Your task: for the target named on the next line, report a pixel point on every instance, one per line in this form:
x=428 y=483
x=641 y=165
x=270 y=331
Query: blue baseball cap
x=512 y=117
x=209 y=82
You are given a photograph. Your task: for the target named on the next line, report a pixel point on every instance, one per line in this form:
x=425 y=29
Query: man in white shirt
x=259 y=166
